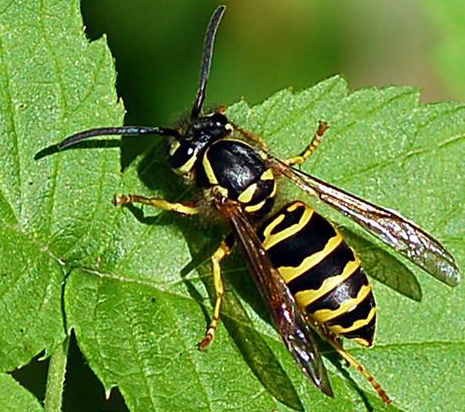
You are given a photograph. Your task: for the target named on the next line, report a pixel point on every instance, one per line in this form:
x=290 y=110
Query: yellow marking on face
x=254 y=208
x=267 y=175
x=209 y=170
x=247 y=194
x=356 y=325
x=173 y=147
x=272 y=239
x=323 y=315
x=306 y=297
x=186 y=167
x=291 y=272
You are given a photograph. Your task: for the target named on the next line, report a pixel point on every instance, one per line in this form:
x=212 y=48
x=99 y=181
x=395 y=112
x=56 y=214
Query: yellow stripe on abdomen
x=306 y=297
x=323 y=315
x=289 y=272
x=272 y=239
x=356 y=325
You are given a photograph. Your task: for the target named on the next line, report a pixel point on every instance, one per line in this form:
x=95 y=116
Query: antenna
x=162 y=131
x=206 y=60
x=122 y=131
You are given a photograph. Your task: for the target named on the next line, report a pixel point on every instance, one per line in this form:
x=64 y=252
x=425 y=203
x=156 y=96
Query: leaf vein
x=297 y=113
x=64 y=110
x=14 y=132
x=93 y=85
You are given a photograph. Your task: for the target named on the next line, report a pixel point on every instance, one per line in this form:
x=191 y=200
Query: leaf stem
x=56 y=377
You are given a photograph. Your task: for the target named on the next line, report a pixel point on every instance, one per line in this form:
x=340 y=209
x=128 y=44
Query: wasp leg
x=336 y=344
x=223 y=251
x=185 y=209
x=255 y=138
x=245 y=133
x=317 y=137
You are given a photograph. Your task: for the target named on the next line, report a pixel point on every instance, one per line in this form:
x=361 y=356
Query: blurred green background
x=264 y=46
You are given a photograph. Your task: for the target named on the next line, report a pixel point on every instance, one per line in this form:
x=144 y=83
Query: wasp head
x=198 y=135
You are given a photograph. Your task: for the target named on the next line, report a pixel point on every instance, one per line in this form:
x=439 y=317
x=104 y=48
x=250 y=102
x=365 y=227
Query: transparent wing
x=290 y=322
x=393 y=229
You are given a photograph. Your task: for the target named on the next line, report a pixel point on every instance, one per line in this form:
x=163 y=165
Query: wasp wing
x=393 y=229
x=290 y=322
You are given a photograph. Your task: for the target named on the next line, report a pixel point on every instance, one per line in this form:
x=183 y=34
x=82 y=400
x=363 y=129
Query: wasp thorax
x=199 y=134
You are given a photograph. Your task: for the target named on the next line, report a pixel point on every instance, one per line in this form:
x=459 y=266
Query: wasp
x=311 y=279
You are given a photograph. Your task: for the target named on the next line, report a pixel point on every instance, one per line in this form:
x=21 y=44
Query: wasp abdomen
x=241 y=172
x=321 y=271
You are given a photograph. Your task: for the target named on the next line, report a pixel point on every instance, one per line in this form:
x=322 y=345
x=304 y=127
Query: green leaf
x=51 y=80
x=15 y=398
x=137 y=284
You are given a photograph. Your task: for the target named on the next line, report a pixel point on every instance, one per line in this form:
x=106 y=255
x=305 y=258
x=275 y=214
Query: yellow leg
x=298 y=160
x=336 y=344
x=245 y=133
x=255 y=138
x=159 y=203
x=217 y=257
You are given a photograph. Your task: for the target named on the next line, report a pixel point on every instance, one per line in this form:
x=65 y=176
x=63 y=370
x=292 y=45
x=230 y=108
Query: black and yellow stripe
x=238 y=169
x=182 y=157
x=321 y=270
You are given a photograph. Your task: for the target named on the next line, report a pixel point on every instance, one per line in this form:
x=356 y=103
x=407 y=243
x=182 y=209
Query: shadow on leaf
x=252 y=346
x=250 y=343
x=94 y=144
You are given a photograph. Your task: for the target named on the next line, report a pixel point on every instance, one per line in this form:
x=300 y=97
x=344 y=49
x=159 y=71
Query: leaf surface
x=51 y=81
x=15 y=398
